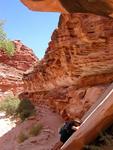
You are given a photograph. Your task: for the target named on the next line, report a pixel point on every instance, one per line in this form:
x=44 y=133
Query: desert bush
x=25 y=109
x=8 y=47
x=3 y=35
x=5 y=43
x=9 y=105
x=22 y=137
x=36 y=129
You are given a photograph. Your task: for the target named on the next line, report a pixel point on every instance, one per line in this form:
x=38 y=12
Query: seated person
x=68 y=129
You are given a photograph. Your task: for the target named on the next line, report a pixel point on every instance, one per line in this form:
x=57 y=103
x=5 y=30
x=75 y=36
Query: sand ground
x=47 y=138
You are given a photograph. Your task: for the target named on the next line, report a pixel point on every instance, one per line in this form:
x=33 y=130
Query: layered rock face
x=12 y=68
x=69 y=102
x=101 y=7
x=79 y=56
x=23 y=59
x=80 y=53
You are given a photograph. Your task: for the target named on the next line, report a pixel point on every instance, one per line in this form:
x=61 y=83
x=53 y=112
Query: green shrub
x=25 y=109
x=105 y=138
x=3 y=35
x=9 y=105
x=36 y=129
x=22 y=137
x=5 y=43
x=8 y=46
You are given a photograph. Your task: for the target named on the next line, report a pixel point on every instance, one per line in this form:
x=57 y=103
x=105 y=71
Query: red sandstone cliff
x=80 y=53
x=23 y=58
x=79 y=56
x=69 y=102
x=13 y=67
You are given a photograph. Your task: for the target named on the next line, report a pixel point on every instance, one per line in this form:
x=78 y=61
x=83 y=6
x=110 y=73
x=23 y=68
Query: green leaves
x=25 y=109
x=8 y=47
x=3 y=35
x=5 y=43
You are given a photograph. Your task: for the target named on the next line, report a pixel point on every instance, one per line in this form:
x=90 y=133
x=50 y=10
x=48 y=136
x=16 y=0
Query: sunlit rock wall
x=77 y=66
x=13 y=67
x=80 y=53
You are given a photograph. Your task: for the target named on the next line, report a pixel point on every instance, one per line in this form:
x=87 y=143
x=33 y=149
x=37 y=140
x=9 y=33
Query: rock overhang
x=101 y=7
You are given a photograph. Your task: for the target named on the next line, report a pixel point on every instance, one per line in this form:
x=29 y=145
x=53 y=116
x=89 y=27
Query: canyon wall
x=69 y=102
x=23 y=58
x=13 y=67
x=80 y=53
x=77 y=66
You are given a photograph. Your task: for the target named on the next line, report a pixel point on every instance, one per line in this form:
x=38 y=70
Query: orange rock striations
x=80 y=53
x=101 y=7
x=23 y=58
x=12 y=68
x=69 y=102
x=77 y=66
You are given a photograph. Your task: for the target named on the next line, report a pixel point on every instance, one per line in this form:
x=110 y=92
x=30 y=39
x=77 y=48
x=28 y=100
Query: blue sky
x=34 y=29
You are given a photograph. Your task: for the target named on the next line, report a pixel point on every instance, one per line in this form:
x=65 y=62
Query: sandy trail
x=44 y=141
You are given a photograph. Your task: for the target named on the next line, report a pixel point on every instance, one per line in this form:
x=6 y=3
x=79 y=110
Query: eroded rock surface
x=23 y=59
x=69 y=102
x=80 y=53
x=13 y=67
x=77 y=66
x=101 y=7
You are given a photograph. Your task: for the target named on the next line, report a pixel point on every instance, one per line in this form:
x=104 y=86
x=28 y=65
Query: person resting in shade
x=68 y=129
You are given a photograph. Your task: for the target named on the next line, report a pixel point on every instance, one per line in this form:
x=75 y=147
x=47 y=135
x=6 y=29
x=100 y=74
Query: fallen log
x=99 y=117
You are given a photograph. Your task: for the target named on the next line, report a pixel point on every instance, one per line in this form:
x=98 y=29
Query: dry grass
x=9 y=105
x=22 y=137
x=36 y=129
